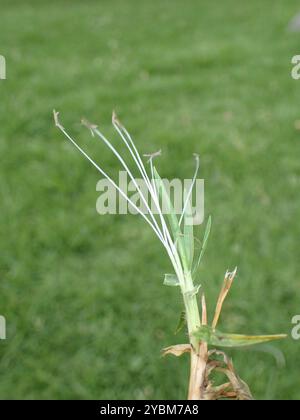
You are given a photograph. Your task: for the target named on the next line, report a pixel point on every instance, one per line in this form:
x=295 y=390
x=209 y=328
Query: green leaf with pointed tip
x=188 y=230
x=171 y=280
x=172 y=218
x=181 y=322
x=219 y=339
x=204 y=244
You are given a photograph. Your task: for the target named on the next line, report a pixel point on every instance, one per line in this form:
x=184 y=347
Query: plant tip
x=56 y=120
x=196 y=156
x=152 y=155
x=230 y=275
x=115 y=119
x=89 y=126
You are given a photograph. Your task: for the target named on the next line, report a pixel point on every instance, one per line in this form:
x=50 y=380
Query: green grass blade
x=188 y=231
x=204 y=244
x=181 y=322
x=172 y=217
x=171 y=280
x=219 y=339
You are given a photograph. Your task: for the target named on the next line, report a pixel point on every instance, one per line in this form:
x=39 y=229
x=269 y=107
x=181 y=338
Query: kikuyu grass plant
x=176 y=235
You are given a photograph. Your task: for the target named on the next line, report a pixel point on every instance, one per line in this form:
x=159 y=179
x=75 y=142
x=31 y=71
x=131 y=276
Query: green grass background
x=86 y=311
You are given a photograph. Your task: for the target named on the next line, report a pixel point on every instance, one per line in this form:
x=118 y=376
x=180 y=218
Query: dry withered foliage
x=202 y=385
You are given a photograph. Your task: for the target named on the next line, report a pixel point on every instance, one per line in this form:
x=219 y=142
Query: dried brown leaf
x=177 y=350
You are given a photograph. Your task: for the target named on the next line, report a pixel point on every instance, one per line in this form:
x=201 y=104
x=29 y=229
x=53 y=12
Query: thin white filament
x=119 y=157
x=190 y=189
x=158 y=233
x=167 y=242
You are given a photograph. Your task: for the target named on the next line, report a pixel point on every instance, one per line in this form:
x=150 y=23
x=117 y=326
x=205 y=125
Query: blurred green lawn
x=86 y=311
